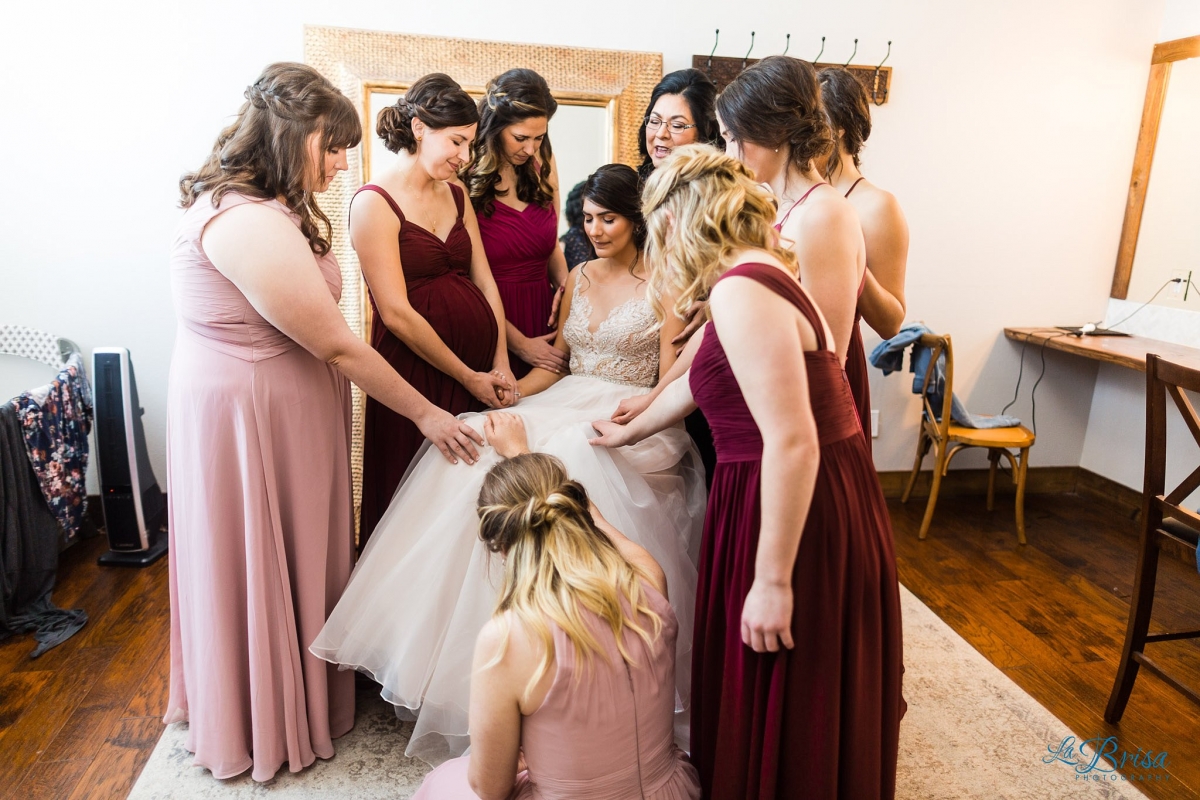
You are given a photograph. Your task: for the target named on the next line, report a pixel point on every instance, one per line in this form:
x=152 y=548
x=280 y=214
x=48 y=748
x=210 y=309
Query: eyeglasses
x=674 y=126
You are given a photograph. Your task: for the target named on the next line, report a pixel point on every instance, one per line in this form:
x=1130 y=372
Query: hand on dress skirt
x=695 y=318
x=506 y=433
x=611 y=434
x=630 y=407
x=489 y=389
x=539 y=351
x=554 y=304
x=767 y=617
x=455 y=439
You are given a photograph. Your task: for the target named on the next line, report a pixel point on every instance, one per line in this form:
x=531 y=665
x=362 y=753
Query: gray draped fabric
x=29 y=545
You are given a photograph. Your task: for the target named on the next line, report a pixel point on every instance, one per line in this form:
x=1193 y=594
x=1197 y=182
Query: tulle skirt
x=425 y=585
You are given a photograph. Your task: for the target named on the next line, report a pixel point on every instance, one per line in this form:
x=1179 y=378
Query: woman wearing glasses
x=682 y=111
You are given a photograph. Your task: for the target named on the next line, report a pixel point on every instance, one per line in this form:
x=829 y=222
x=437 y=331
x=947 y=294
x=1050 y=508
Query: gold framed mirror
x=365 y=63
x=1173 y=130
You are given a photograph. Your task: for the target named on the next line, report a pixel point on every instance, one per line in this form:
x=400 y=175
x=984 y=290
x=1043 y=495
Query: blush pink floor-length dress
x=260 y=515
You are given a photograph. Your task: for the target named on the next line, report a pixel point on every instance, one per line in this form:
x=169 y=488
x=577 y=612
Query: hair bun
x=394 y=125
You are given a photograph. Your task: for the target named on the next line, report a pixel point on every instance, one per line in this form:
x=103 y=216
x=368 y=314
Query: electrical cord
x=1148 y=302
x=1020 y=372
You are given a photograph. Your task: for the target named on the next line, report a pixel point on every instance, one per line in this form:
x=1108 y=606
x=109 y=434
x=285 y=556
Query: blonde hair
x=701 y=208
x=557 y=562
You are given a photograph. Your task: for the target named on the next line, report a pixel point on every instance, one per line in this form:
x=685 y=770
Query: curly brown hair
x=264 y=153
x=436 y=99
x=511 y=97
x=849 y=110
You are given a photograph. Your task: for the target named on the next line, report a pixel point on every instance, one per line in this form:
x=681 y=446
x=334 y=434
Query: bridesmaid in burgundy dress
x=772 y=121
x=514 y=189
x=796 y=667
x=437 y=311
x=885 y=230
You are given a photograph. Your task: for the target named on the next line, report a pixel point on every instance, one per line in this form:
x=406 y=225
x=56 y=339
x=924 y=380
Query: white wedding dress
x=425 y=585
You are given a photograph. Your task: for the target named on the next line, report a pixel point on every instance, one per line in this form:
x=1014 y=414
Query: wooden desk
x=1124 y=351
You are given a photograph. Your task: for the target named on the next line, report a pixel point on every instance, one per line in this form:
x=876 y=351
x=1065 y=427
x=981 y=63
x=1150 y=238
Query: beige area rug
x=970 y=732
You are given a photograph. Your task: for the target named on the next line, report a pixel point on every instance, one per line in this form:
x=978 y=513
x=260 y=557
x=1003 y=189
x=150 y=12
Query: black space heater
x=135 y=509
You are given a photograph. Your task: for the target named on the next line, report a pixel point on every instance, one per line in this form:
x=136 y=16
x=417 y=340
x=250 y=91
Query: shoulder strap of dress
x=379 y=190
x=796 y=204
x=861 y=178
x=778 y=282
x=457 y=191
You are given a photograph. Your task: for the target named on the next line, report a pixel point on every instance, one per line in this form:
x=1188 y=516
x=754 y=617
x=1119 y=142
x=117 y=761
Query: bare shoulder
x=263 y=223
x=876 y=203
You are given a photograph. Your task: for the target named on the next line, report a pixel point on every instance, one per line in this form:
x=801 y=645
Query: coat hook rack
x=708 y=66
x=747 y=56
x=875 y=82
x=852 y=55
x=875 y=78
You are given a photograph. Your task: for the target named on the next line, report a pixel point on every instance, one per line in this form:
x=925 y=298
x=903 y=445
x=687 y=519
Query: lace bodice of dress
x=623 y=349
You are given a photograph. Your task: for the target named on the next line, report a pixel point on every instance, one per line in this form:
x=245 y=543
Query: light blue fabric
x=889 y=357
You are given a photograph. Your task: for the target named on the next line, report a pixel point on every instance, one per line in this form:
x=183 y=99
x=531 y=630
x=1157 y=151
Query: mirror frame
x=356 y=59
x=1165 y=54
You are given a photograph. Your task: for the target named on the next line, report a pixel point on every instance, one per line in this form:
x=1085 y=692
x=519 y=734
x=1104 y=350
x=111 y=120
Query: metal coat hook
x=851 y=58
x=708 y=66
x=789 y=45
x=875 y=86
x=747 y=56
x=818 y=58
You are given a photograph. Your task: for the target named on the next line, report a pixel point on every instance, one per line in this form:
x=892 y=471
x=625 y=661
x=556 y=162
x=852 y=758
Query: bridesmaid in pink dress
x=885 y=231
x=514 y=189
x=258 y=434
x=796 y=667
x=572 y=692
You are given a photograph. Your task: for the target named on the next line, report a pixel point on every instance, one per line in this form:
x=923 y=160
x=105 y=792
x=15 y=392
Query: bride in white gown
x=422 y=589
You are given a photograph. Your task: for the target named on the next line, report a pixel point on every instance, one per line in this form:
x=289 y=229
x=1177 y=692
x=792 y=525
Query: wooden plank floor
x=81 y=721
x=1052 y=615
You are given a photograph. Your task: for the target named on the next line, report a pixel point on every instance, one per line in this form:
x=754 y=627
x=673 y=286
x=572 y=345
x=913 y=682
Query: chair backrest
x=1167 y=378
x=938 y=346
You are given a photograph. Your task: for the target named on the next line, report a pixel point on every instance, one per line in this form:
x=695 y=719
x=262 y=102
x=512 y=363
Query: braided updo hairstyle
x=511 y=97
x=777 y=102
x=849 y=110
x=264 y=154
x=437 y=100
x=556 y=561
x=718 y=210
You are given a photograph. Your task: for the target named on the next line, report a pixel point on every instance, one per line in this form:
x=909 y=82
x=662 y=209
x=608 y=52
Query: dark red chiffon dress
x=437 y=278
x=820 y=721
x=518 y=246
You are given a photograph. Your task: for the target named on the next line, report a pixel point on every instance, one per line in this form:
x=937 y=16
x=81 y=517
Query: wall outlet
x=1176 y=289
x=874 y=423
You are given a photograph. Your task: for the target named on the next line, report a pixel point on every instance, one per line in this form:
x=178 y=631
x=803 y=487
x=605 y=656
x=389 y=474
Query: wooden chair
x=949 y=438
x=1163 y=518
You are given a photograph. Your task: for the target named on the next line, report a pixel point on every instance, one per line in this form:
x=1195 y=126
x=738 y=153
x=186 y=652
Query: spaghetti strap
x=780 y=224
x=457 y=191
x=861 y=178
x=778 y=282
x=379 y=190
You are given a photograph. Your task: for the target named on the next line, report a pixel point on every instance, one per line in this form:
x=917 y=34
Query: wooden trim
x=963 y=482
x=1090 y=484
x=1139 y=181
x=1176 y=50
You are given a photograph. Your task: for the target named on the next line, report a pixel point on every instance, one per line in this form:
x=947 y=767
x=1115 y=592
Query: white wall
x=1008 y=139
x=1116 y=431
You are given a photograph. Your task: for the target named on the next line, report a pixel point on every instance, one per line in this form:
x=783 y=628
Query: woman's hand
x=506 y=433
x=509 y=395
x=767 y=617
x=630 y=407
x=695 y=318
x=611 y=434
x=554 y=304
x=539 y=351
x=453 y=437
x=489 y=389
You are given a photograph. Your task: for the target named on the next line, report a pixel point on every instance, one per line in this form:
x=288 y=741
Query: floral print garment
x=56 y=429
